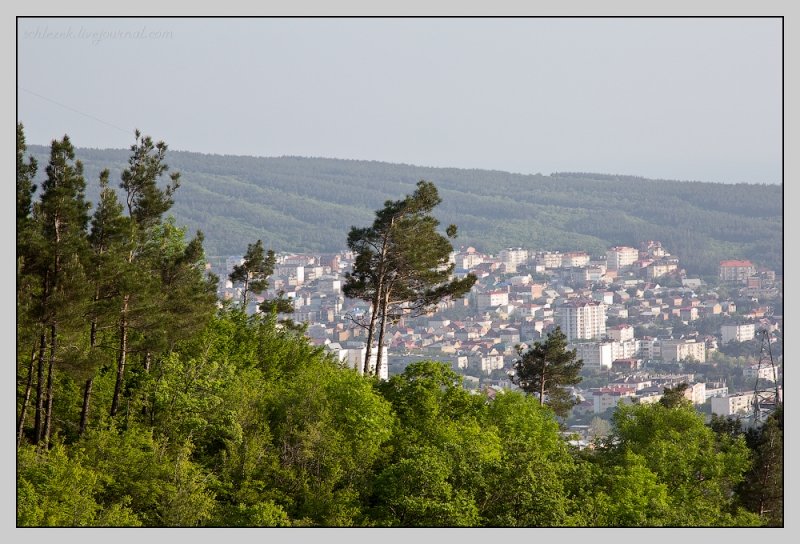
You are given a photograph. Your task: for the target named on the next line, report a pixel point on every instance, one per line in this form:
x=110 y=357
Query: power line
x=76 y=111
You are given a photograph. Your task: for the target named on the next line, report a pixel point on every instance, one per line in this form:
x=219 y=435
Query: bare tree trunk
x=382 y=331
x=26 y=401
x=122 y=355
x=50 y=378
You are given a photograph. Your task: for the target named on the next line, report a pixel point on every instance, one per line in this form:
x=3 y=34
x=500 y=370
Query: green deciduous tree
x=699 y=470
x=546 y=368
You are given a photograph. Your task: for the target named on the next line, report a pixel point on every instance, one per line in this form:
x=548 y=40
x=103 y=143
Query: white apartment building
x=729 y=405
x=583 y=319
x=549 y=259
x=736 y=270
x=291 y=271
x=486 y=363
x=621 y=258
x=513 y=255
x=489 y=299
x=595 y=355
x=763 y=371
x=354 y=357
x=600 y=355
x=574 y=260
x=680 y=350
x=650 y=348
x=470 y=260
x=609 y=397
x=620 y=333
x=738 y=333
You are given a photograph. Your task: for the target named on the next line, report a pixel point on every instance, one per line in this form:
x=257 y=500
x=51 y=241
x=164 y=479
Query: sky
x=672 y=98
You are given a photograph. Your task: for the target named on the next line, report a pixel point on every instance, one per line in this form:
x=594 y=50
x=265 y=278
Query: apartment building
x=490 y=299
x=574 y=260
x=621 y=258
x=682 y=349
x=513 y=255
x=736 y=270
x=583 y=318
x=762 y=371
x=609 y=397
x=736 y=404
x=738 y=333
x=354 y=358
x=549 y=259
x=620 y=333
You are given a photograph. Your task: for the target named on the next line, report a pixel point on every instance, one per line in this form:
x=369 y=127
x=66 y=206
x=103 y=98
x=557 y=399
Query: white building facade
x=583 y=319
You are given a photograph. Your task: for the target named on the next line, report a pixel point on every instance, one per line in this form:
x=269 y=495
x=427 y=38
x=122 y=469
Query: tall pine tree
x=60 y=247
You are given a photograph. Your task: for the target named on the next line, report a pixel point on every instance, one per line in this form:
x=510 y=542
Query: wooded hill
x=298 y=204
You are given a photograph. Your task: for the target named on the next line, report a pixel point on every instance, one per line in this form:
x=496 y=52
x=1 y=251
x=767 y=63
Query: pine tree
x=402 y=264
x=254 y=271
x=26 y=280
x=61 y=218
x=108 y=239
x=140 y=289
x=546 y=368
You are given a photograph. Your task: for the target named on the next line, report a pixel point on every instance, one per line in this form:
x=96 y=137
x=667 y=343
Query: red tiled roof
x=731 y=264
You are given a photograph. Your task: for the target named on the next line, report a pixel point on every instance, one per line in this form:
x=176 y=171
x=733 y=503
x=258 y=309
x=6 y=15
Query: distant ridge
x=299 y=204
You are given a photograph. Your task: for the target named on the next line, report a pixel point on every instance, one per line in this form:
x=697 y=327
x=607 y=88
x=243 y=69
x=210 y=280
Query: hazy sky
x=690 y=99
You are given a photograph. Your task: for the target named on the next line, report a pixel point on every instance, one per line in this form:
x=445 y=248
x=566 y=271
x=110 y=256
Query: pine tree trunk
x=382 y=332
x=26 y=400
x=378 y=297
x=541 y=384
x=50 y=378
x=38 y=423
x=370 y=337
x=122 y=355
x=87 y=397
x=87 y=392
x=762 y=499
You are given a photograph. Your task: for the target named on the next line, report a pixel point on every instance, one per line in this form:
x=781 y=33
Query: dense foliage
x=305 y=204
x=142 y=402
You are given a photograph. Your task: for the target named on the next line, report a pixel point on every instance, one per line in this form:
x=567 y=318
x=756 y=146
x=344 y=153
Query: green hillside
x=306 y=204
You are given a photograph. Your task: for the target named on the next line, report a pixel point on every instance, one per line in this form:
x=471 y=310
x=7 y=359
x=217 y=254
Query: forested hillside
x=300 y=204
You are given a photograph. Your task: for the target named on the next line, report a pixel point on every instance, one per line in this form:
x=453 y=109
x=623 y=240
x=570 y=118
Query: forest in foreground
x=141 y=402
x=297 y=204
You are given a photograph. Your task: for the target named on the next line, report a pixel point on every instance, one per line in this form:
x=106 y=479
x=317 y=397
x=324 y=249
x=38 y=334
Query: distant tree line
x=303 y=204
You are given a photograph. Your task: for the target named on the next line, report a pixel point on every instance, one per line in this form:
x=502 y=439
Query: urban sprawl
x=522 y=295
